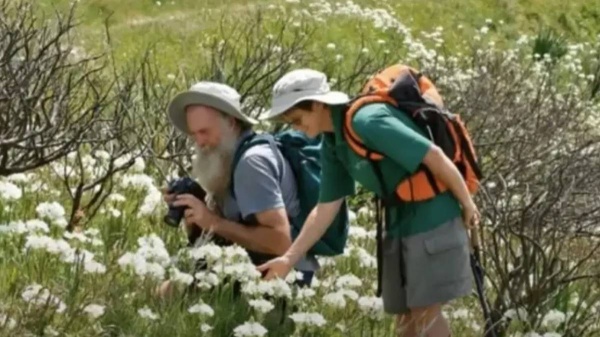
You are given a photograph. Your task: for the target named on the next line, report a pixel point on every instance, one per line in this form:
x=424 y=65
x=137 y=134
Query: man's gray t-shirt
x=259 y=186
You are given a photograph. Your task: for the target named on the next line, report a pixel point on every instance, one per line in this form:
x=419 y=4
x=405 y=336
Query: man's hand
x=277 y=267
x=196 y=212
x=168 y=197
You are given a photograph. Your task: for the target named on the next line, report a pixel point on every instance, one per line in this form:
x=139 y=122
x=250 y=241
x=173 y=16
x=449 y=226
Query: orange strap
x=417 y=187
x=351 y=137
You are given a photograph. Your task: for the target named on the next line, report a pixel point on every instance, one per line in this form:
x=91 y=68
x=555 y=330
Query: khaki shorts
x=427 y=268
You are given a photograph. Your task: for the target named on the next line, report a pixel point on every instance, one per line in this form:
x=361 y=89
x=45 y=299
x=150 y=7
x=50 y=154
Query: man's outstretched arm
x=270 y=236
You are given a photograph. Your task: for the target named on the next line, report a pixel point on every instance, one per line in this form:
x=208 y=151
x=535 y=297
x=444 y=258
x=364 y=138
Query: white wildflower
x=372 y=306
x=138 y=181
x=206 y=280
x=293 y=276
x=116 y=197
x=152 y=203
x=20 y=177
x=461 y=314
x=202 y=309
x=234 y=251
x=364 y=212
x=52 y=211
x=7 y=322
x=102 y=155
x=94 y=310
x=210 y=252
x=335 y=299
x=262 y=306
x=10 y=191
x=180 y=277
x=140 y=262
x=30 y=226
x=357 y=232
x=153 y=249
x=351 y=217
x=76 y=236
x=519 y=314
x=365 y=259
x=241 y=271
x=36 y=294
x=146 y=312
x=326 y=261
x=93 y=267
x=250 y=329
x=553 y=319
x=51 y=246
x=138 y=165
x=115 y=213
x=308 y=319
x=123 y=160
x=304 y=293
x=274 y=287
x=348 y=281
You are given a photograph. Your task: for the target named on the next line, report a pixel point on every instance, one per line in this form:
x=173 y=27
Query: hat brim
x=180 y=102
x=330 y=98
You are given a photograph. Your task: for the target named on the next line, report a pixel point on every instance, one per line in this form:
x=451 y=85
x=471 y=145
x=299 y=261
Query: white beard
x=212 y=167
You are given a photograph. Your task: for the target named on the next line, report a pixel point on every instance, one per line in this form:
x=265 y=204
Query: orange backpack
x=414 y=94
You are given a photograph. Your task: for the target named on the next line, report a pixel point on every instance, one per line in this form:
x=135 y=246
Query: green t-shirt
x=390 y=132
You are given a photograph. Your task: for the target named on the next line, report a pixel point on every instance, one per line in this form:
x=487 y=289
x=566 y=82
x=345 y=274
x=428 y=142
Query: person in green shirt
x=425 y=257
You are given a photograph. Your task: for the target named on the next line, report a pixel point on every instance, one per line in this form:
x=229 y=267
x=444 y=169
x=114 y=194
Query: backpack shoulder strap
x=352 y=138
x=246 y=143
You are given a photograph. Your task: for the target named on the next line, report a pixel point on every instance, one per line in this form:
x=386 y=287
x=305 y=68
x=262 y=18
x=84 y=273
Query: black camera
x=184 y=185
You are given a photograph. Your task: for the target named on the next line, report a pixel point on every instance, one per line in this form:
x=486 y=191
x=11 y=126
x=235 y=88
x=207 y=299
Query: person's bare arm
x=317 y=222
x=271 y=235
x=443 y=168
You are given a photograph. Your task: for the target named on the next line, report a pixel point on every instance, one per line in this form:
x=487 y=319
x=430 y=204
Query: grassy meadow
x=82 y=242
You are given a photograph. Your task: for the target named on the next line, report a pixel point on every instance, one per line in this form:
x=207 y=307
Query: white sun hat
x=216 y=95
x=302 y=85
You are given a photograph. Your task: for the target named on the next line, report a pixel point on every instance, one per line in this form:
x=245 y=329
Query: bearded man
x=257 y=218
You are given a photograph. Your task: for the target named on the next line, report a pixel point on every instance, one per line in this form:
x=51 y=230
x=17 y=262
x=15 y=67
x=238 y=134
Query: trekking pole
x=479 y=274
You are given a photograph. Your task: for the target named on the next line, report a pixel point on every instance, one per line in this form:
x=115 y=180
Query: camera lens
x=173 y=217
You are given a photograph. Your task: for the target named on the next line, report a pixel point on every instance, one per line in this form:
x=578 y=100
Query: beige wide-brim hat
x=216 y=95
x=302 y=85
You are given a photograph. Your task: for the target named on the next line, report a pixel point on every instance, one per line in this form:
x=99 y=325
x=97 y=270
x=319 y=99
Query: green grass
x=178 y=28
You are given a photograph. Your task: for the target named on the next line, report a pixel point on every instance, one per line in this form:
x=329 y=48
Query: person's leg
x=165 y=290
x=438 y=271
x=393 y=291
x=425 y=322
x=405 y=326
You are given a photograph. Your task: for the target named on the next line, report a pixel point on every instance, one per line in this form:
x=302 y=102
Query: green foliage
x=548 y=43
